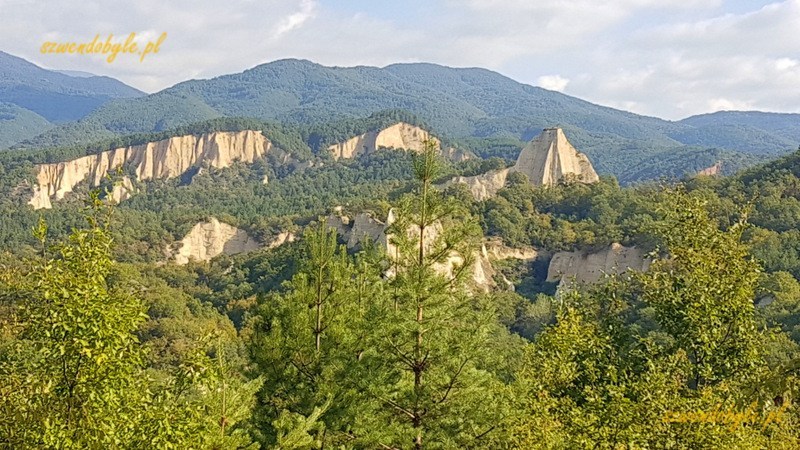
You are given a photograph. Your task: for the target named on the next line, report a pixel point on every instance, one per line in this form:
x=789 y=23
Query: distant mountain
x=57 y=97
x=17 y=124
x=777 y=131
x=77 y=73
x=457 y=104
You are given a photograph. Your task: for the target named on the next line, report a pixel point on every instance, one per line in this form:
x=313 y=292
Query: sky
x=664 y=58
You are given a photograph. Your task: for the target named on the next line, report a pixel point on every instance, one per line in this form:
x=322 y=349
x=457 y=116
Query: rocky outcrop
x=550 y=157
x=716 y=169
x=282 y=238
x=480 y=272
x=167 y=158
x=587 y=268
x=496 y=250
x=209 y=239
x=485 y=185
x=212 y=238
x=401 y=136
x=365 y=227
x=457 y=154
x=546 y=160
x=121 y=191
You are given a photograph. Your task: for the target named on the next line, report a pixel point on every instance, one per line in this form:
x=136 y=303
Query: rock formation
x=587 y=268
x=546 y=160
x=550 y=157
x=367 y=228
x=485 y=185
x=121 y=191
x=282 y=238
x=496 y=250
x=398 y=136
x=213 y=238
x=716 y=169
x=457 y=154
x=167 y=158
x=364 y=227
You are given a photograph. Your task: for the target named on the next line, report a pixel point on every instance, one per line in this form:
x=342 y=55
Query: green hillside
x=17 y=124
x=56 y=96
x=784 y=125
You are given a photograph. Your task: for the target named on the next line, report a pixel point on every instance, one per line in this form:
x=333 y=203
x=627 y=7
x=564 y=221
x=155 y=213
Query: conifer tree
x=307 y=341
x=429 y=378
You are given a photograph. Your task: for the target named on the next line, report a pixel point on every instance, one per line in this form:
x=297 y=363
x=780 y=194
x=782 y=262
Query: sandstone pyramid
x=550 y=157
x=546 y=160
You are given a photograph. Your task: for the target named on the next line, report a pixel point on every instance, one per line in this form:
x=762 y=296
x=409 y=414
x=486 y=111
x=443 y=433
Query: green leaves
x=76 y=378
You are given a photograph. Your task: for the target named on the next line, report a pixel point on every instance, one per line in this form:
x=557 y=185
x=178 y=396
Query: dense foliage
x=313 y=345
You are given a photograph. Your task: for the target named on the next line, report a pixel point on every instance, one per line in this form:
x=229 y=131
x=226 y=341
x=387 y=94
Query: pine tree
x=429 y=345
x=308 y=340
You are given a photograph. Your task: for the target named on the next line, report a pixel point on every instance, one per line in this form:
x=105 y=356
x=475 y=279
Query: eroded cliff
x=545 y=160
x=569 y=268
x=365 y=227
x=485 y=185
x=550 y=157
x=167 y=158
x=398 y=136
x=212 y=238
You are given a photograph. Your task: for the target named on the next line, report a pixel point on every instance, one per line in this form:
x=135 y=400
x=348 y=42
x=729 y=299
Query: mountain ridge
x=456 y=103
x=56 y=96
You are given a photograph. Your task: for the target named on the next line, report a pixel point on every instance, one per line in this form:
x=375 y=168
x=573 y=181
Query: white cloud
x=744 y=61
x=297 y=19
x=724 y=104
x=552 y=82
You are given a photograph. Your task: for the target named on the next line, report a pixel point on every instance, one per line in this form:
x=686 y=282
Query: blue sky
x=668 y=58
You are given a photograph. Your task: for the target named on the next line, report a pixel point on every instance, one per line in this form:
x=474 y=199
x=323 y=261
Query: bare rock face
x=282 y=238
x=213 y=238
x=716 y=169
x=550 y=157
x=398 y=136
x=496 y=250
x=167 y=158
x=121 y=191
x=364 y=227
x=485 y=185
x=367 y=228
x=588 y=268
x=457 y=154
x=546 y=160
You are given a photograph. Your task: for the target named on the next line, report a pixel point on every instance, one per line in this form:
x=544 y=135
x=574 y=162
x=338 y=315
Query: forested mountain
x=17 y=124
x=474 y=106
x=56 y=96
